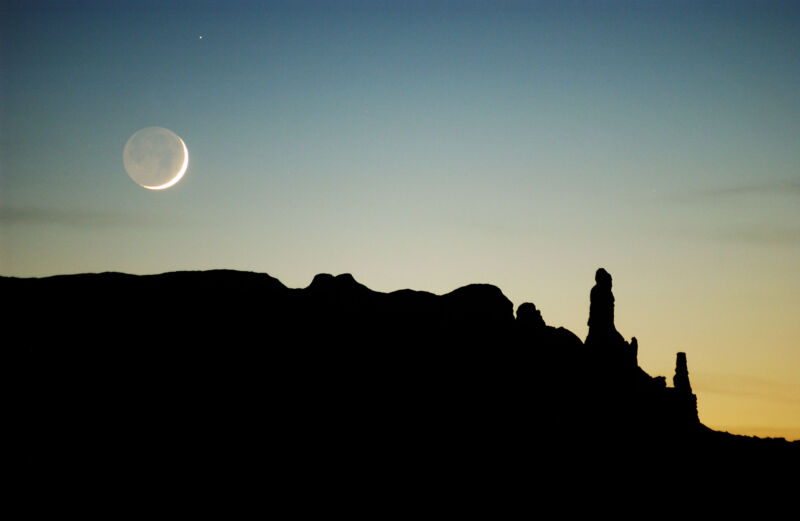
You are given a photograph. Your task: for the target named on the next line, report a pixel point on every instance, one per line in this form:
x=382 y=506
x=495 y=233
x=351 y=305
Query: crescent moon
x=155 y=158
x=180 y=173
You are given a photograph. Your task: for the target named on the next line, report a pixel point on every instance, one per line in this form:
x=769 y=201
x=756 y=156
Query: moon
x=155 y=158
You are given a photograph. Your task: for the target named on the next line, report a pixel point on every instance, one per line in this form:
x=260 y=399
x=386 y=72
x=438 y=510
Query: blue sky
x=431 y=145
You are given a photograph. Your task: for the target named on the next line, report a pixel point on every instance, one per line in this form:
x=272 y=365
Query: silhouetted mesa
x=236 y=367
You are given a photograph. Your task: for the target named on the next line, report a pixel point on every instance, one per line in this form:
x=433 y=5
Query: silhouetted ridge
x=233 y=362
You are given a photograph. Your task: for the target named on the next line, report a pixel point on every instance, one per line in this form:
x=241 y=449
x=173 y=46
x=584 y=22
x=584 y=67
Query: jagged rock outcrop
x=531 y=329
x=529 y=320
x=642 y=403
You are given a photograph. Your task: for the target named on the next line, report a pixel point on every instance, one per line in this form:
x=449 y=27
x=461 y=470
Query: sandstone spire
x=681 y=379
x=601 y=312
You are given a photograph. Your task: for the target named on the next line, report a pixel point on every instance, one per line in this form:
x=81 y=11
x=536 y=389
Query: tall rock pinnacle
x=601 y=312
x=681 y=378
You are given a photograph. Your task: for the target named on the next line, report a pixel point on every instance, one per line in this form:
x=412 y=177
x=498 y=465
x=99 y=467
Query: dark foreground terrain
x=227 y=372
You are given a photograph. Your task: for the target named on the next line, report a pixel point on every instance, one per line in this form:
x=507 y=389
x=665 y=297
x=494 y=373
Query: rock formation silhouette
x=235 y=366
x=529 y=321
x=681 y=379
x=602 y=331
x=601 y=309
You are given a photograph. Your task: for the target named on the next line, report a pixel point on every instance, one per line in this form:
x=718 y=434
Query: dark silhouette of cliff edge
x=218 y=368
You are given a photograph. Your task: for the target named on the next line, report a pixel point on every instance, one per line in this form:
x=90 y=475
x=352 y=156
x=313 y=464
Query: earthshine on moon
x=155 y=158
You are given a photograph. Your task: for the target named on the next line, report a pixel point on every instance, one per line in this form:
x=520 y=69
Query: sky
x=430 y=145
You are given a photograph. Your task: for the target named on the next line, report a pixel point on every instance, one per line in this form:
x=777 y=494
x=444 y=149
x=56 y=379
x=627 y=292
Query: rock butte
x=247 y=372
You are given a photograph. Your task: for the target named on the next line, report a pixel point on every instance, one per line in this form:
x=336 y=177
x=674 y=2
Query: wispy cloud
x=755 y=234
x=760 y=235
x=743 y=386
x=784 y=187
x=33 y=215
x=747 y=386
x=757 y=214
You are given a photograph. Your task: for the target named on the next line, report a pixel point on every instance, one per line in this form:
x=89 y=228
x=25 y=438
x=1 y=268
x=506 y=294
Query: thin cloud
x=757 y=234
x=32 y=215
x=754 y=202
x=785 y=187
x=747 y=386
x=761 y=235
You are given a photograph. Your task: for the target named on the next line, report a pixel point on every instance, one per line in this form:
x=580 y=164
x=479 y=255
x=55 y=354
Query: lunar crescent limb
x=180 y=173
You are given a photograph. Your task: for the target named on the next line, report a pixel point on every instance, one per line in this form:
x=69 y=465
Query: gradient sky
x=434 y=144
